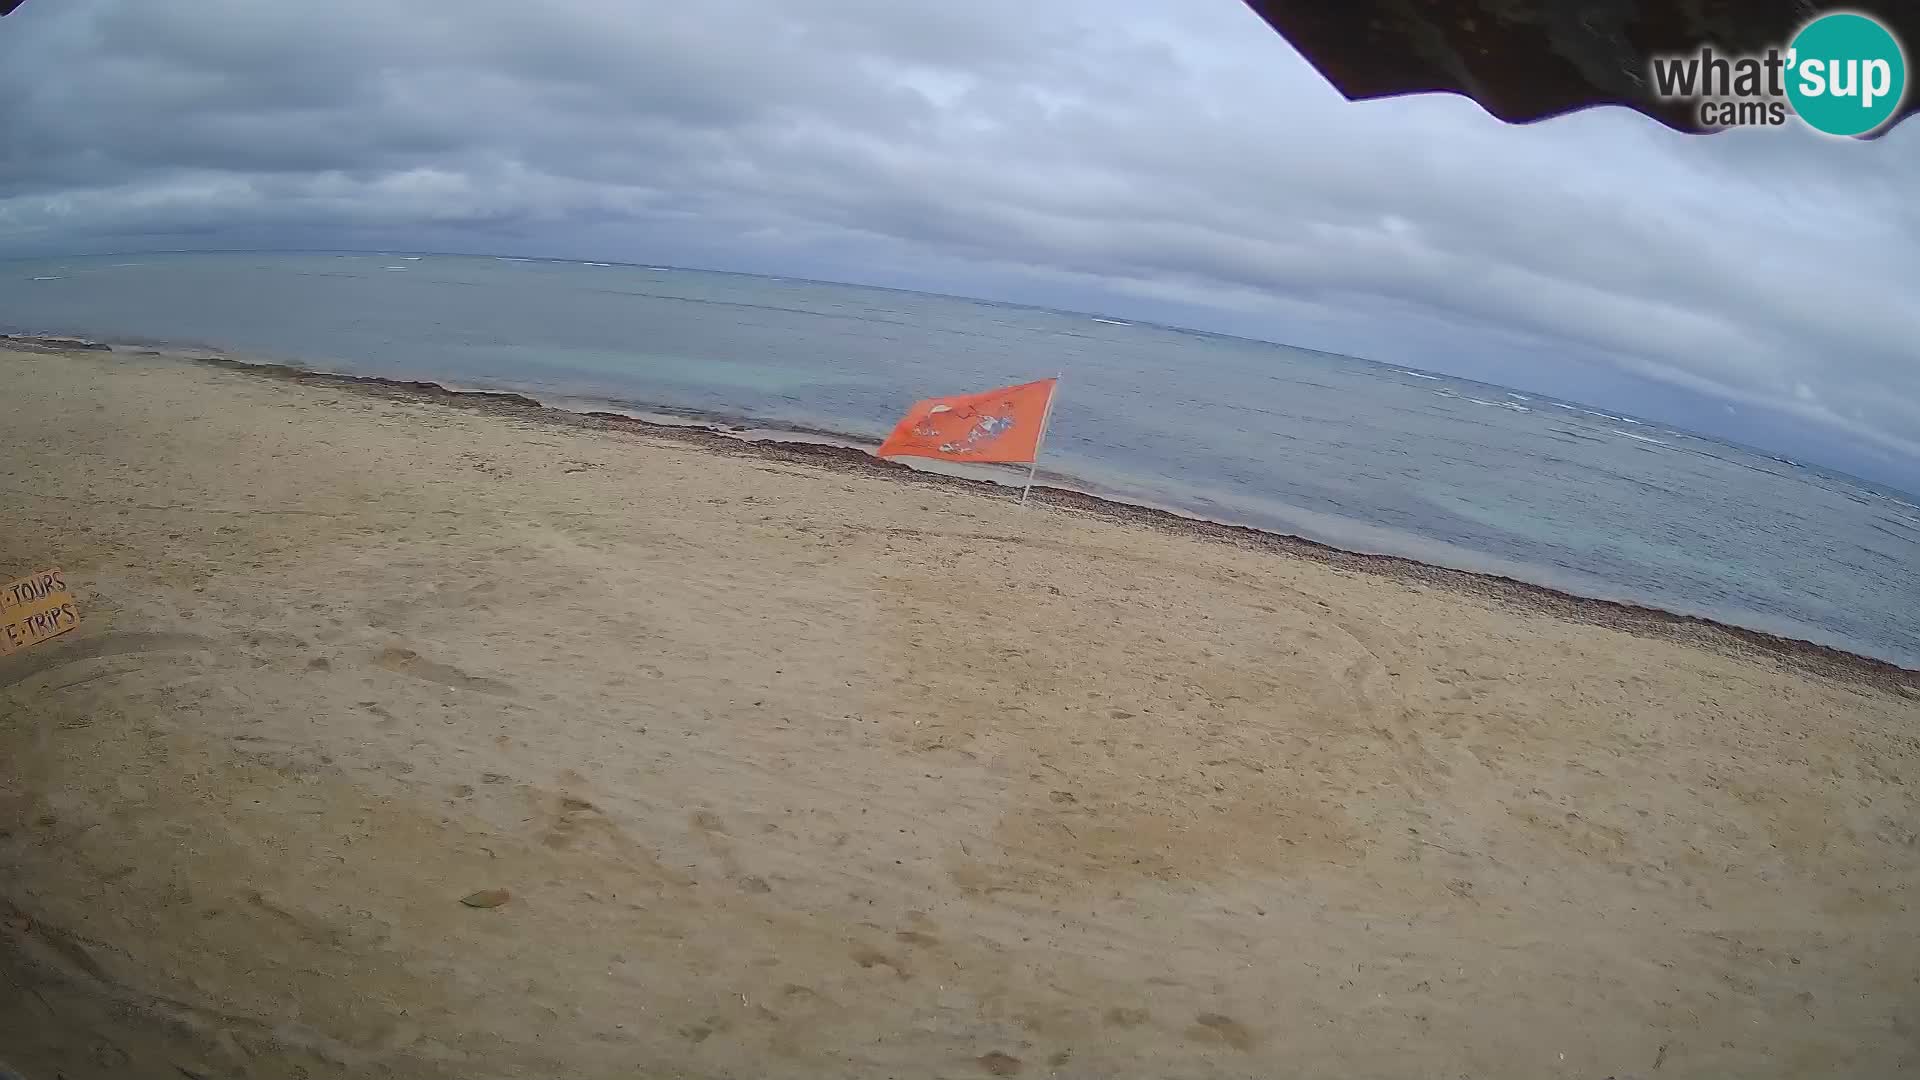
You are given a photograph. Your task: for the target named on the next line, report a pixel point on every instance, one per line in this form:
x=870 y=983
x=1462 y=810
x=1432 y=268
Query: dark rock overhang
x=1527 y=60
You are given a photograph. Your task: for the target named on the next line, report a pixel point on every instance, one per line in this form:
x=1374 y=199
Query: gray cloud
x=1175 y=159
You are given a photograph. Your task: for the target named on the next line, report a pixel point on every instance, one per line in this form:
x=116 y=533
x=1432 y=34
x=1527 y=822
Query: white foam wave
x=1641 y=438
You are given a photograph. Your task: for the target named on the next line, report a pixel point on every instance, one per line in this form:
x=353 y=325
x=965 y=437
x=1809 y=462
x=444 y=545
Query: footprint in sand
x=1213 y=1026
x=408 y=662
x=1000 y=1064
x=868 y=957
x=573 y=817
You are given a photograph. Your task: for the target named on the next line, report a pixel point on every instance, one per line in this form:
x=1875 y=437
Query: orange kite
x=1001 y=425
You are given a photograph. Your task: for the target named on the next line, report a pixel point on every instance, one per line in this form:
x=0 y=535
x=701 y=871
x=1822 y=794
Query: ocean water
x=1337 y=449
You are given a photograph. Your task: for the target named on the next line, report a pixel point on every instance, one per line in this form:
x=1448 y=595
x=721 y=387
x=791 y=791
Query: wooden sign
x=35 y=608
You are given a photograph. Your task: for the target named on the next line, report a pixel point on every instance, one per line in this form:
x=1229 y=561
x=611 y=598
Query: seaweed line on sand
x=1805 y=656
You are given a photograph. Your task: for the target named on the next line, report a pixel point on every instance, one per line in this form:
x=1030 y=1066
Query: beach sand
x=790 y=768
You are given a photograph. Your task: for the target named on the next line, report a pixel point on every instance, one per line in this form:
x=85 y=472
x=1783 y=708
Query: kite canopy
x=1526 y=60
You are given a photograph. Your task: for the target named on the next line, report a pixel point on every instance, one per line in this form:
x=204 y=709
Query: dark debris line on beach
x=1805 y=656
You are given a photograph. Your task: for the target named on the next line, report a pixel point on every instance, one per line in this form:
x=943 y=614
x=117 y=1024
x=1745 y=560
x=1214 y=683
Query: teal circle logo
x=1846 y=74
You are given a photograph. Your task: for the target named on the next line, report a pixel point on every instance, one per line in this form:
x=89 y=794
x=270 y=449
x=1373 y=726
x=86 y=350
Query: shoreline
x=1808 y=656
x=533 y=743
x=736 y=435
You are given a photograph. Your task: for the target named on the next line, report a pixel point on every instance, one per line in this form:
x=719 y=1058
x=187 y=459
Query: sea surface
x=1337 y=449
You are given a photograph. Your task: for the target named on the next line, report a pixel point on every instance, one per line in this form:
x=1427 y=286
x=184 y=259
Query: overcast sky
x=1164 y=159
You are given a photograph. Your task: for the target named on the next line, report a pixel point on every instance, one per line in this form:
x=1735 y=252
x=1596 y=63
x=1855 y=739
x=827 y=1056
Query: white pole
x=1045 y=418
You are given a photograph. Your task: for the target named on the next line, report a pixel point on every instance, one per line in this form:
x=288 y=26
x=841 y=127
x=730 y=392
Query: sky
x=1165 y=160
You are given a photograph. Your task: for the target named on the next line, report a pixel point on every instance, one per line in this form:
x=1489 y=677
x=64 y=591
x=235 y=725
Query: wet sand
x=792 y=764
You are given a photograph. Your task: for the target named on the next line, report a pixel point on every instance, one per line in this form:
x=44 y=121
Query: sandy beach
x=763 y=762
